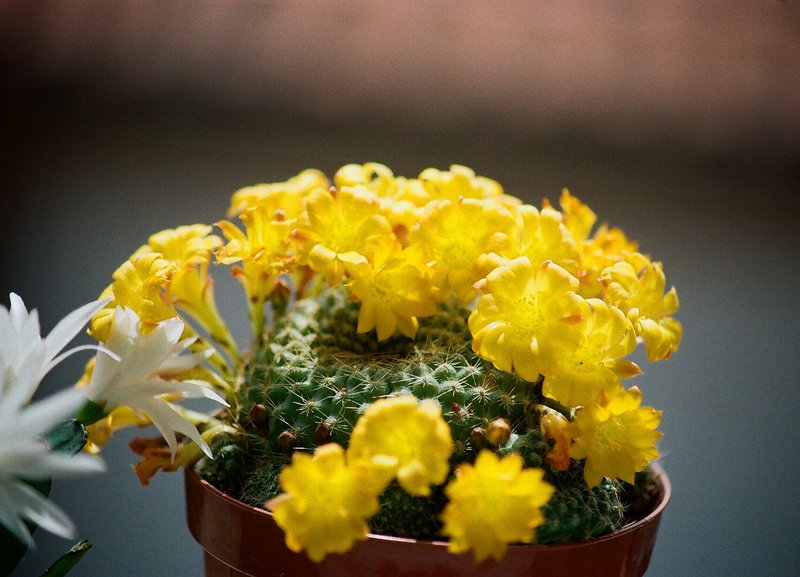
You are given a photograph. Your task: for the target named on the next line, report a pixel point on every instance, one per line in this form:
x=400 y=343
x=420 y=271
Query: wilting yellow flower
x=157 y=456
x=139 y=284
x=287 y=197
x=492 y=504
x=394 y=290
x=327 y=501
x=340 y=227
x=409 y=437
x=597 y=364
x=636 y=286
x=616 y=436
x=455 y=234
x=263 y=250
x=527 y=319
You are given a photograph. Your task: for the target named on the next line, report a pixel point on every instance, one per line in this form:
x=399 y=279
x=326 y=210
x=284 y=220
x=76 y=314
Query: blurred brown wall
x=711 y=74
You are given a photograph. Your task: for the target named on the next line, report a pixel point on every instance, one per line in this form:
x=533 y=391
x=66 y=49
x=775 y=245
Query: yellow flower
x=636 y=286
x=340 y=227
x=556 y=430
x=399 y=197
x=526 y=320
x=408 y=437
x=616 y=436
x=492 y=504
x=462 y=182
x=604 y=249
x=394 y=290
x=100 y=432
x=455 y=234
x=597 y=364
x=375 y=176
x=139 y=284
x=327 y=501
x=543 y=237
x=264 y=252
x=578 y=217
x=189 y=250
x=287 y=197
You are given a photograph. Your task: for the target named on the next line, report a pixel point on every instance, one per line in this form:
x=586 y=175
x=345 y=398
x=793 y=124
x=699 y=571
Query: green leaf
x=68 y=560
x=12 y=550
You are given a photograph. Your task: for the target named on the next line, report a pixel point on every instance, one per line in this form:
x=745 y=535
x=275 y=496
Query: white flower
x=141 y=377
x=25 y=358
x=20 y=340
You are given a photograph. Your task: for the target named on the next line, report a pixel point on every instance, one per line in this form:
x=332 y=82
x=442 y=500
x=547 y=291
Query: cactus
x=314 y=375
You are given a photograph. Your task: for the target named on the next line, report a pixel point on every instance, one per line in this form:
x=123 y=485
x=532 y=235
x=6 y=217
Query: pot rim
x=664 y=496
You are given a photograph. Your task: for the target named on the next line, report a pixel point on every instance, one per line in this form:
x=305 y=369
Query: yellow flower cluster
x=330 y=496
x=556 y=300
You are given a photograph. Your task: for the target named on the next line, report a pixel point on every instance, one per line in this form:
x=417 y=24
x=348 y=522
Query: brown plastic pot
x=240 y=540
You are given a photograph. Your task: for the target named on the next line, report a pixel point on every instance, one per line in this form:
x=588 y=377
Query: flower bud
x=259 y=417
x=478 y=440
x=286 y=442
x=499 y=431
x=322 y=434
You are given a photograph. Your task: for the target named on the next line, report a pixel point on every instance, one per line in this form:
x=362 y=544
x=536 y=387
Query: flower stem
x=90 y=413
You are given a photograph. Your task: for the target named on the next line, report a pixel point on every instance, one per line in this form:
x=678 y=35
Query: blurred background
x=676 y=121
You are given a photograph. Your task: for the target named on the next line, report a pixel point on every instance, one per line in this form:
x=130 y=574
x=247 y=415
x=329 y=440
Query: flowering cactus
x=431 y=358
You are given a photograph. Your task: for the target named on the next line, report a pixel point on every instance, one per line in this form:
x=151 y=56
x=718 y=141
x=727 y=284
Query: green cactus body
x=314 y=376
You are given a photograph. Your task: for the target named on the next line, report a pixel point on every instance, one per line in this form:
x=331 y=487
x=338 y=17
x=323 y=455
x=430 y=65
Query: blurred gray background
x=677 y=121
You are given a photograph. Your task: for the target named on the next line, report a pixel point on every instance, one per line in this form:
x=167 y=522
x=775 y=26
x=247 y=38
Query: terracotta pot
x=240 y=540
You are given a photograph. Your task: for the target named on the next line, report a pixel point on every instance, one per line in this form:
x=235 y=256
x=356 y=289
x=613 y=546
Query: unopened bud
x=477 y=438
x=286 y=442
x=499 y=431
x=323 y=433
x=281 y=293
x=259 y=417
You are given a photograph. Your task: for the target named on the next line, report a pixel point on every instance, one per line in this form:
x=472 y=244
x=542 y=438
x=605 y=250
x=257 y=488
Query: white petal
x=43 y=415
x=167 y=419
x=20 y=385
x=148 y=352
x=200 y=389
x=10 y=518
x=46 y=464
x=68 y=327
x=23 y=501
x=178 y=364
